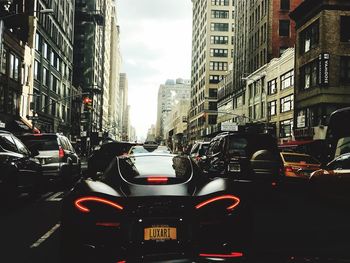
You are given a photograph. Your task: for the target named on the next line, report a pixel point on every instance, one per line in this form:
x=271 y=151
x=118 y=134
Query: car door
x=29 y=168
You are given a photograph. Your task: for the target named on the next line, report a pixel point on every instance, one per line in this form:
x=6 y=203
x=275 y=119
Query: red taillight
x=198 y=158
x=231 y=255
x=60 y=153
x=37 y=134
x=79 y=203
x=233 y=198
x=157 y=180
x=288 y=169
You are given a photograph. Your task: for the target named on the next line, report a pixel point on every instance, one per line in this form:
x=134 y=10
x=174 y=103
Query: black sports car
x=149 y=204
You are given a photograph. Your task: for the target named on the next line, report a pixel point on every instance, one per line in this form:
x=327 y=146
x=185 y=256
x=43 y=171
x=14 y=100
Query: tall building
x=322 y=64
x=53 y=65
x=212 y=51
x=14 y=67
x=263 y=31
x=89 y=60
x=124 y=113
x=168 y=94
x=115 y=64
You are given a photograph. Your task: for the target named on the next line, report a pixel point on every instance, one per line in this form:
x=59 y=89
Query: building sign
x=323 y=71
x=301 y=121
x=304 y=132
x=229 y=126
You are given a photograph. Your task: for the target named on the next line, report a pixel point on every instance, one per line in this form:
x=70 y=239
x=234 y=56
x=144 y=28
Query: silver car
x=59 y=161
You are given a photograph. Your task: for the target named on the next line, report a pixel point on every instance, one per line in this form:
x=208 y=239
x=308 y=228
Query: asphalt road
x=297 y=226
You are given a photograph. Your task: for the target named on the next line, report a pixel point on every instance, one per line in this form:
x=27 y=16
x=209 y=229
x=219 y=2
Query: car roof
x=6 y=132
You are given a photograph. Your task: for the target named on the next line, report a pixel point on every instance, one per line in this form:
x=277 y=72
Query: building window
x=287 y=103
x=345 y=69
x=214 y=52
x=308 y=75
x=272 y=108
x=219 y=27
x=212 y=119
x=220 y=2
x=36 y=70
x=214 y=79
x=309 y=37
x=255 y=111
x=213 y=93
x=4 y=60
x=219 y=14
x=287 y=80
x=272 y=87
x=219 y=40
x=37 y=42
x=344 y=29
x=285 y=4
x=286 y=128
x=218 y=66
x=14 y=67
x=284 y=28
x=45 y=51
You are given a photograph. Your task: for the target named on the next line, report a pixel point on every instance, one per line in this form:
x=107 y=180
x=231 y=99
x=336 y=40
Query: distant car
x=162 y=149
x=153 y=204
x=333 y=181
x=57 y=156
x=102 y=155
x=299 y=165
x=199 y=150
x=20 y=170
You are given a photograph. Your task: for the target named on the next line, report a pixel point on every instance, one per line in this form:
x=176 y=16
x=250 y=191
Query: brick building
x=322 y=64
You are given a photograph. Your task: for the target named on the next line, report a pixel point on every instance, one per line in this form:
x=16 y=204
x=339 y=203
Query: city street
x=30 y=230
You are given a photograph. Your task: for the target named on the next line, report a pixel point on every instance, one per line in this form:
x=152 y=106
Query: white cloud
x=156 y=46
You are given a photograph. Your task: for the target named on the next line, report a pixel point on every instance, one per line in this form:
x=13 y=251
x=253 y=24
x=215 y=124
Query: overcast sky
x=155 y=42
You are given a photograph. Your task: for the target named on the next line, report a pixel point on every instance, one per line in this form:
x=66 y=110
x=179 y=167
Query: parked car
x=20 y=170
x=151 y=203
x=243 y=155
x=57 y=156
x=103 y=154
x=333 y=181
x=199 y=150
x=299 y=165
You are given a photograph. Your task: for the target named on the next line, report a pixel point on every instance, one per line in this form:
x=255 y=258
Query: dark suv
x=243 y=155
x=57 y=156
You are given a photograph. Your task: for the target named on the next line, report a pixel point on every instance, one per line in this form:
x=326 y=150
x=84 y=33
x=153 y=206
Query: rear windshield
x=41 y=143
x=290 y=158
x=247 y=145
x=136 y=167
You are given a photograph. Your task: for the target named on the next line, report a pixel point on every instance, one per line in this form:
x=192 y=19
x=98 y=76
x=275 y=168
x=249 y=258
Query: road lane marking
x=55 y=197
x=46 y=236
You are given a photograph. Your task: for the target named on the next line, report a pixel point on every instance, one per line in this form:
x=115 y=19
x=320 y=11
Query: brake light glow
x=235 y=200
x=37 y=134
x=157 y=180
x=231 y=255
x=60 y=152
x=288 y=169
x=79 y=203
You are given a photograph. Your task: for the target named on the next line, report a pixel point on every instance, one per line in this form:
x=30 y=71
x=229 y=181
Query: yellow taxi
x=299 y=164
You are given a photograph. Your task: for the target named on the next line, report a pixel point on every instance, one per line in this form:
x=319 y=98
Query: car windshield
x=41 y=142
x=144 y=166
x=296 y=158
x=137 y=149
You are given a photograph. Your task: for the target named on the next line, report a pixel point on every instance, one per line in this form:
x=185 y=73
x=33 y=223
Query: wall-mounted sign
x=301 y=121
x=323 y=69
x=229 y=126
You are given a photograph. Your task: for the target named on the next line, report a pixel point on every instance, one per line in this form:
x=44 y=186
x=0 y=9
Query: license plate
x=160 y=233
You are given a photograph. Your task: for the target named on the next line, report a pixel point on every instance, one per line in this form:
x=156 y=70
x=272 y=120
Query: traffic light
x=87 y=103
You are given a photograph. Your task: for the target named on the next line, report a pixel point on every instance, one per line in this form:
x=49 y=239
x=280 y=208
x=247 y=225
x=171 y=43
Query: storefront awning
x=14 y=124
